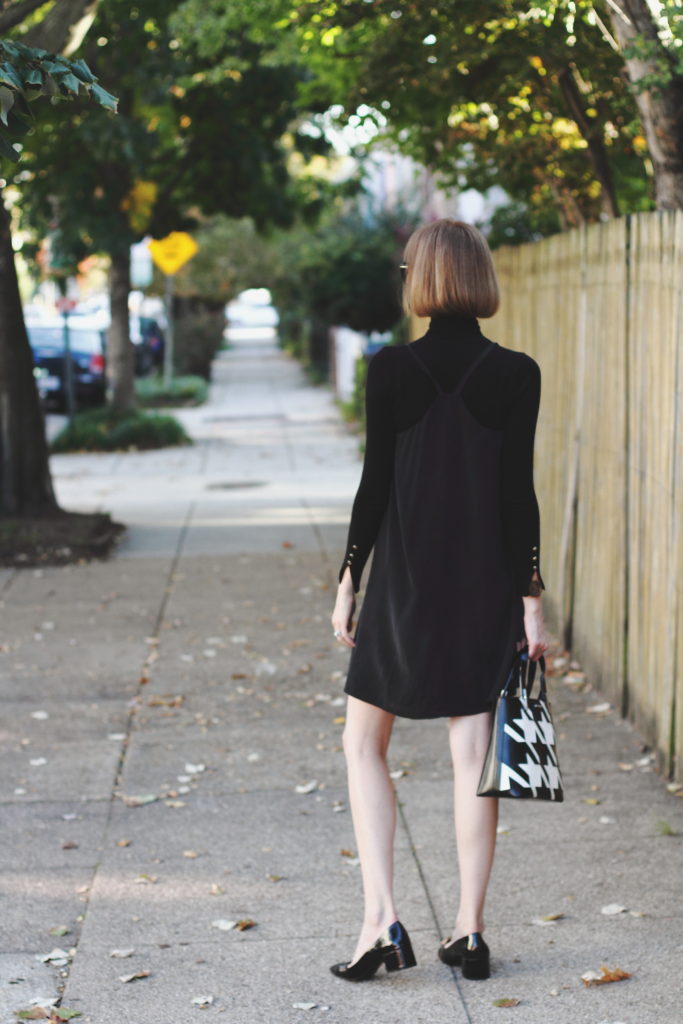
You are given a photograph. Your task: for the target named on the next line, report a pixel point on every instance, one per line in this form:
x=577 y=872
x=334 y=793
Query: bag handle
x=522 y=675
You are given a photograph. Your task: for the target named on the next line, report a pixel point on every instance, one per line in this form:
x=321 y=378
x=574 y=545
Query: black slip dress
x=441 y=616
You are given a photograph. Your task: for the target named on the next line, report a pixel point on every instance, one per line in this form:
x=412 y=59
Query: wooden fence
x=601 y=311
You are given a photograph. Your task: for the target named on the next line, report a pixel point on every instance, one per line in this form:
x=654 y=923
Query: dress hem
x=418 y=716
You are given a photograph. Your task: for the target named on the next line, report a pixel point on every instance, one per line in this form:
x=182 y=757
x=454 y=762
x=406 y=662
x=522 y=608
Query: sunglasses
x=404 y=271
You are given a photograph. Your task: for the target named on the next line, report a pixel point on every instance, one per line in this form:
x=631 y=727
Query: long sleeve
x=373 y=491
x=519 y=506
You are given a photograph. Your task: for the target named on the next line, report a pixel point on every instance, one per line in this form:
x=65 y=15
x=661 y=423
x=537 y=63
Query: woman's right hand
x=342 y=616
x=534 y=628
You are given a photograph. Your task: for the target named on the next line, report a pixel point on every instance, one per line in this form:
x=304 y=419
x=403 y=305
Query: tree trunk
x=591 y=131
x=63 y=27
x=660 y=108
x=25 y=482
x=120 y=353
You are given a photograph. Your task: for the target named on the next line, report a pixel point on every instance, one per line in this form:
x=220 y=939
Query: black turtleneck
x=503 y=394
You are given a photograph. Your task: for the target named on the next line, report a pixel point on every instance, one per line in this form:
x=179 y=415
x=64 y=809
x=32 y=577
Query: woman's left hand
x=342 y=616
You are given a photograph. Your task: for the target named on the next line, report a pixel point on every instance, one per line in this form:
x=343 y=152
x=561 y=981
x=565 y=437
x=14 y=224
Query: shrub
x=198 y=337
x=103 y=430
x=186 y=390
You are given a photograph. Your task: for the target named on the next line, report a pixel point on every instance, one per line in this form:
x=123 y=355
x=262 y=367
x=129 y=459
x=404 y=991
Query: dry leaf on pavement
x=140 y=799
x=607 y=975
x=137 y=976
x=506 y=1002
x=613 y=908
x=307 y=787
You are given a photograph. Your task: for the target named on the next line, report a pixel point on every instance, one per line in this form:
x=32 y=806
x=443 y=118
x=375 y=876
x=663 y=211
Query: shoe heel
x=398 y=951
x=475 y=968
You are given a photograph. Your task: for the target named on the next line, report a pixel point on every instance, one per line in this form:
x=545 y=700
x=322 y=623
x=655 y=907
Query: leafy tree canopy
x=197 y=130
x=27 y=72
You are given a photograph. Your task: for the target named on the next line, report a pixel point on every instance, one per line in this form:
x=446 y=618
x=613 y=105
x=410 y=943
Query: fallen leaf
x=347 y=853
x=139 y=800
x=145 y=879
x=121 y=954
x=156 y=700
x=69 y=844
x=506 y=1002
x=547 y=919
x=123 y=842
x=307 y=787
x=398 y=774
x=55 y=956
x=60 y=1013
x=607 y=975
x=274 y=878
x=625 y=766
x=202 y=1001
x=590 y=800
x=340 y=720
x=287 y=544
x=245 y=924
x=60 y=930
x=216 y=889
x=35 y=1013
x=137 y=976
x=192 y=854
x=613 y=908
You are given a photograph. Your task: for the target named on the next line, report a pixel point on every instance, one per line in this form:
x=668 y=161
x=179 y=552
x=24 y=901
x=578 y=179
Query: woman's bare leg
x=373 y=808
x=476 y=819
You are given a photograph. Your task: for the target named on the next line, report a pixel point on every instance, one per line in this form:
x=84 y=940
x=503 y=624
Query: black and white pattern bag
x=521 y=760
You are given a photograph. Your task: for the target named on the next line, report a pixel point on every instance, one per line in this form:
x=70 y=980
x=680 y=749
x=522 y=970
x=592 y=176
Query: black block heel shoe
x=470 y=953
x=393 y=949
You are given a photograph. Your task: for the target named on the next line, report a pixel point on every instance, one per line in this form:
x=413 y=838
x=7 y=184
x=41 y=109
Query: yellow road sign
x=172 y=252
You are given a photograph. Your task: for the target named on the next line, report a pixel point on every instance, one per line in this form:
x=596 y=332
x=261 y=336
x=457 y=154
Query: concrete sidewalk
x=172 y=763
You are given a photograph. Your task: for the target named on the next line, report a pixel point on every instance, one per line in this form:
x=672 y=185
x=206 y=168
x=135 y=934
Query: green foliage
x=183 y=391
x=517 y=222
x=232 y=256
x=198 y=337
x=25 y=74
x=533 y=99
x=353 y=411
x=197 y=133
x=102 y=430
x=345 y=271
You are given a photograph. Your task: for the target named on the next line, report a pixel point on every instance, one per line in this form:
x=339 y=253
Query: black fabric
x=440 y=620
x=503 y=396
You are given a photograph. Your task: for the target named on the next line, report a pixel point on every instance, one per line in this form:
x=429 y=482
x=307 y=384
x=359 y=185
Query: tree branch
x=17 y=12
x=63 y=27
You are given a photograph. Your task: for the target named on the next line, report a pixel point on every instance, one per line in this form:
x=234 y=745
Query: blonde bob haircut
x=449 y=270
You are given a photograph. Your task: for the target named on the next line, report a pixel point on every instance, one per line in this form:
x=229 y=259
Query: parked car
x=49 y=364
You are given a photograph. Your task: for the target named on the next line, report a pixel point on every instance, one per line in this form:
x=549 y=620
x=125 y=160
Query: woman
x=447 y=501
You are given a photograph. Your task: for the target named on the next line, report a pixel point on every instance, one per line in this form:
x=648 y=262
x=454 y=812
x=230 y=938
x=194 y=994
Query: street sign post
x=65 y=306
x=170 y=254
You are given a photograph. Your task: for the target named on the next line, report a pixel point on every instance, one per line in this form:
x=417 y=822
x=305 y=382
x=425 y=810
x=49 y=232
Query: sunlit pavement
x=176 y=833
